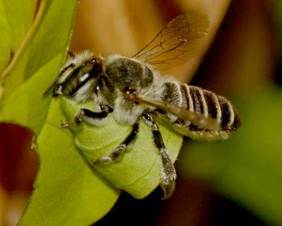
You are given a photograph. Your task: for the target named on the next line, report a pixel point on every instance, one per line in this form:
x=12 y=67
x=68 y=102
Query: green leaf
x=47 y=44
x=27 y=106
x=246 y=168
x=45 y=39
x=67 y=192
x=138 y=173
x=19 y=18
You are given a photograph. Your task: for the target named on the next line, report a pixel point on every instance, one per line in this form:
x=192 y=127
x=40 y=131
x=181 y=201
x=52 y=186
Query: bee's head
x=78 y=75
x=127 y=73
x=86 y=63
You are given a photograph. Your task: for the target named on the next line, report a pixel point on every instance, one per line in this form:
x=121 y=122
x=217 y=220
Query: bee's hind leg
x=117 y=153
x=168 y=173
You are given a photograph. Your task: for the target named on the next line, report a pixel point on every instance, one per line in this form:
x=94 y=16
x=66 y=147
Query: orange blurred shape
x=125 y=26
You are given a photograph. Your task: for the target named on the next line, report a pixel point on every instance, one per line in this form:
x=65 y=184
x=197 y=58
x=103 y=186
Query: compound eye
x=97 y=65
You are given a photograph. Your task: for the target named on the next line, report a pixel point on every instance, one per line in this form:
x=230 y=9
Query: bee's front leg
x=92 y=117
x=168 y=174
x=116 y=154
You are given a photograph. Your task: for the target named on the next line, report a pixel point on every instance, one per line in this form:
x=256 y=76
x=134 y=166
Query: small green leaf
x=139 y=171
x=67 y=192
x=247 y=167
x=27 y=106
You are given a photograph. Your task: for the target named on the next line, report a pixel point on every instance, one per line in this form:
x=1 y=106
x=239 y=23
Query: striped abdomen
x=207 y=103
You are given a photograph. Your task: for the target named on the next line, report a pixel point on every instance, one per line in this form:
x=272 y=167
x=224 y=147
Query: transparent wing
x=179 y=40
x=196 y=118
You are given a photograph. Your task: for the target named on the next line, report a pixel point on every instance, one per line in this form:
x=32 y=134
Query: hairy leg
x=168 y=174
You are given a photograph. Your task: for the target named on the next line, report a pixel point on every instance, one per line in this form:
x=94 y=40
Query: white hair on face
x=79 y=58
x=76 y=61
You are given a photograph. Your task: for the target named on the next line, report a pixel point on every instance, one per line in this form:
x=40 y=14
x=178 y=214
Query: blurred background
x=235 y=182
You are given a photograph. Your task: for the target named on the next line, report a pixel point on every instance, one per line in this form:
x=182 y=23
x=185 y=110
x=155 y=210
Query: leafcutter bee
x=131 y=89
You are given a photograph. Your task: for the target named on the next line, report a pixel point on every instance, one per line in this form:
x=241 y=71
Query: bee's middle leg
x=116 y=154
x=168 y=174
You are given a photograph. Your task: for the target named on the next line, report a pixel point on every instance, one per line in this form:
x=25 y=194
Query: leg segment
x=90 y=116
x=116 y=154
x=168 y=174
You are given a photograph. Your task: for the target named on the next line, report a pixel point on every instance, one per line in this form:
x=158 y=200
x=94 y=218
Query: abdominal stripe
x=186 y=94
x=197 y=99
x=172 y=94
x=212 y=104
x=228 y=114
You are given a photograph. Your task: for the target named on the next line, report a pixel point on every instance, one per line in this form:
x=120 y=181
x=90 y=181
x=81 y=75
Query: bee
x=132 y=89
